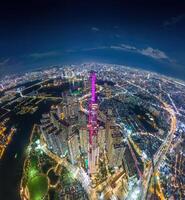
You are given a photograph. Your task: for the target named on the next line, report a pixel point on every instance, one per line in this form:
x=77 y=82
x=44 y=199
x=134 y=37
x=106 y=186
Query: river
x=10 y=167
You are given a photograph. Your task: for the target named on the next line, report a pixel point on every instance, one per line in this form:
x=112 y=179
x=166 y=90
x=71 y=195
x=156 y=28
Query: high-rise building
x=93 y=154
x=74 y=150
x=117 y=155
x=59 y=110
x=53 y=142
x=62 y=139
x=82 y=119
x=109 y=139
x=70 y=110
x=84 y=140
x=107 y=91
x=115 y=147
x=75 y=107
x=54 y=120
x=101 y=137
x=65 y=111
x=54 y=133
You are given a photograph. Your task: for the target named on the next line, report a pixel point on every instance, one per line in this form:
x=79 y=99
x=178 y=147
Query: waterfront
x=10 y=165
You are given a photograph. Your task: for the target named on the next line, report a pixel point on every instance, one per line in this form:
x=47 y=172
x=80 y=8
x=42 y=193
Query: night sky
x=145 y=34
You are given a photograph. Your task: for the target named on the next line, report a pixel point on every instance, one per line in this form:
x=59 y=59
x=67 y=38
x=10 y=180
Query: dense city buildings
x=110 y=132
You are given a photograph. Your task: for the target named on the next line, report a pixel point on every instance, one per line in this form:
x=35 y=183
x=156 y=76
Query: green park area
x=38 y=187
x=37 y=182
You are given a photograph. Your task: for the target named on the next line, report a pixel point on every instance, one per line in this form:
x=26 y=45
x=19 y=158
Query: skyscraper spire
x=93 y=87
x=93 y=127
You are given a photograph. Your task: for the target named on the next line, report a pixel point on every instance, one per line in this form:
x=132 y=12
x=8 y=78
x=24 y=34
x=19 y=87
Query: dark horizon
x=150 y=35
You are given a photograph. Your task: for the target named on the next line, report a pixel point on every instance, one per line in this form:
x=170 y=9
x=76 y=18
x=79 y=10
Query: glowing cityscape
x=92 y=100
x=108 y=136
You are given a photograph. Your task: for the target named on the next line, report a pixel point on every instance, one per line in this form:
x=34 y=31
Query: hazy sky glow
x=41 y=33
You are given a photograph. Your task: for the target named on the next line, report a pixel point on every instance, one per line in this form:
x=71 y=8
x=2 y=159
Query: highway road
x=161 y=153
x=164 y=148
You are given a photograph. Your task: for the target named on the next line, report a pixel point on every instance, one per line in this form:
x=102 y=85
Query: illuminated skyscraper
x=101 y=137
x=93 y=128
x=84 y=139
x=74 y=149
x=115 y=147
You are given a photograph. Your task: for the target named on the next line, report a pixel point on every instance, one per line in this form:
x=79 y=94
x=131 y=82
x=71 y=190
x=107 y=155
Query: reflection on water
x=12 y=163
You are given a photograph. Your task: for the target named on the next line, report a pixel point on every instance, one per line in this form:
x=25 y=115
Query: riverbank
x=34 y=183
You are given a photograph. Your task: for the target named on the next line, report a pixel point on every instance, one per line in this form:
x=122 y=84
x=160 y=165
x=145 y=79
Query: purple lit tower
x=93 y=128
